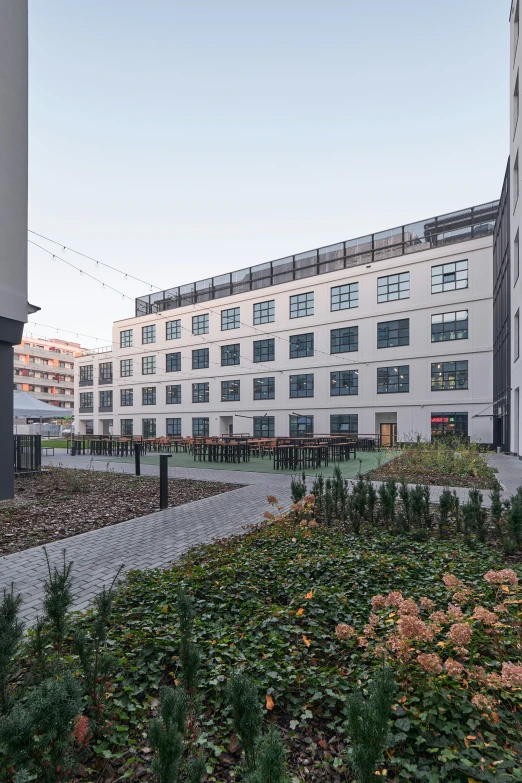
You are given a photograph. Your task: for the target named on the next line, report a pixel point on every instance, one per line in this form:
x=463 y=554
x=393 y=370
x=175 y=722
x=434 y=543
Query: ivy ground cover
x=309 y=612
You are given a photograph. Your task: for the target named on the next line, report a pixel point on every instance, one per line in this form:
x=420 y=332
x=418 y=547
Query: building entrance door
x=388 y=435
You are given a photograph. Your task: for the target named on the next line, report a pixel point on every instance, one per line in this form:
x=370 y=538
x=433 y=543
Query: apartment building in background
x=45 y=369
x=515 y=234
x=390 y=333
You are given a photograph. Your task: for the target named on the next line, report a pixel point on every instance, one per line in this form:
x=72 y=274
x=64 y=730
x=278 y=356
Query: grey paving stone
x=157 y=540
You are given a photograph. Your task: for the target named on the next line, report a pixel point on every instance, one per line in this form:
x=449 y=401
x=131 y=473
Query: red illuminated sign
x=440 y=419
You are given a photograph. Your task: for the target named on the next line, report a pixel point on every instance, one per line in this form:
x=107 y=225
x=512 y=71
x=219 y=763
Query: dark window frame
x=393 y=288
x=448 y=376
x=344 y=383
x=173 y=362
x=126 y=398
x=344 y=297
x=148 y=365
x=231 y=355
x=264 y=312
x=302 y=385
x=173 y=329
x=449 y=329
x=201 y=390
x=200 y=323
x=264 y=350
x=449 y=276
x=148 y=334
x=341 y=423
x=126 y=338
x=344 y=340
x=230 y=319
x=299 y=426
x=200 y=359
x=148 y=395
x=126 y=431
x=173 y=427
x=148 y=427
x=200 y=426
x=302 y=305
x=127 y=364
x=231 y=390
x=393 y=334
x=264 y=388
x=386 y=377
x=301 y=345
x=264 y=426
x=173 y=394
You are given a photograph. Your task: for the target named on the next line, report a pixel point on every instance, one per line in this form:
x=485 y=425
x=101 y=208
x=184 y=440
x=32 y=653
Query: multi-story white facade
x=44 y=368
x=388 y=334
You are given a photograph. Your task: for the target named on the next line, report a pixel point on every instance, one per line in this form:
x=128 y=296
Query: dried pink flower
x=411 y=627
x=461 y=596
x=459 y=634
x=374 y=619
x=451 y=581
x=369 y=631
x=453 y=667
x=500 y=608
x=430 y=662
x=344 y=631
x=309 y=499
x=511 y=675
x=394 y=598
x=408 y=606
x=439 y=617
x=506 y=576
x=485 y=616
x=378 y=601
x=482 y=702
x=80 y=730
x=455 y=612
x=427 y=603
x=272 y=500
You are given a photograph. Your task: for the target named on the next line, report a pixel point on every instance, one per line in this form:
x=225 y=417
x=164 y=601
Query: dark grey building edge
x=501 y=321
x=466 y=224
x=10 y=334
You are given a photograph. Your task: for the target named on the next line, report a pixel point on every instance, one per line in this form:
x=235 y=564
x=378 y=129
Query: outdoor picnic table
x=213 y=451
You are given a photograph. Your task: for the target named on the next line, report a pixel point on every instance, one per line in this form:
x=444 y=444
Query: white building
x=13 y=215
x=388 y=334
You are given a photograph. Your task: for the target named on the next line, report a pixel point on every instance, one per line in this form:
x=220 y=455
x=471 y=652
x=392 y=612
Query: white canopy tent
x=28 y=407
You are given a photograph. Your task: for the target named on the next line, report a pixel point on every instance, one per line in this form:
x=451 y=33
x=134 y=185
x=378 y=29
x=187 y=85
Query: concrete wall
x=13 y=215
x=412 y=410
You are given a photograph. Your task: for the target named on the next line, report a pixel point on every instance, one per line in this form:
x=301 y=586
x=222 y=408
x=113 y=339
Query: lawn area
x=58 y=502
x=365 y=461
x=56 y=443
x=443 y=464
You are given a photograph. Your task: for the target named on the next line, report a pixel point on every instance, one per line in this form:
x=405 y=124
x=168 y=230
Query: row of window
x=264 y=426
x=445 y=376
x=390 y=334
x=444 y=277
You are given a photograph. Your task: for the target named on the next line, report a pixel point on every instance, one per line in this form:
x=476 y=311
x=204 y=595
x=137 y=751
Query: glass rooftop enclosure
x=443 y=230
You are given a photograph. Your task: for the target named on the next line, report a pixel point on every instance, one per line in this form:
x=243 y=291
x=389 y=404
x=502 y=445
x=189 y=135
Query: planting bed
x=438 y=466
x=58 y=503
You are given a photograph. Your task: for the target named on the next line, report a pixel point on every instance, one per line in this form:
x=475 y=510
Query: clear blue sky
x=178 y=140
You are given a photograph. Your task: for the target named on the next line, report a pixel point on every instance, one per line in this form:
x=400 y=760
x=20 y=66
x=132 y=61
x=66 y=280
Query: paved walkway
x=156 y=540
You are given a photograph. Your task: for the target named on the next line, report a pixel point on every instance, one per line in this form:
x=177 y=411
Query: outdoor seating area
x=285 y=453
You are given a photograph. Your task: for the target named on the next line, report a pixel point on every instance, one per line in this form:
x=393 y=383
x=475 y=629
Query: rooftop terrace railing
x=471 y=223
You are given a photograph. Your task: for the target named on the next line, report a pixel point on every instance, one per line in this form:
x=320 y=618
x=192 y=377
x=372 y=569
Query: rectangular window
x=230 y=391
x=391 y=380
x=173 y=395
x=344 y=297
x=173 y=330
x=200 y=324
x=449 y=424
x=449 y=277
x=264 y=388
x=106 y=399
x=301 y=305
x=516 y=181
x=148 y=365
x=393 y=287
x=264 y=312
x=517 y=334
x=230 y=355
x=264 y=426
x=86 y=400
x=148 y=428
x=127 y=428
x=449 y=326
x=126 y=342
x=173 y=362
x=148 y=334
x=301 y=345
x=200 y=392
x=344 y=382
x=126 y=397
x=448 y=376
x=302 y=385
x=200 y=428
x=125 y=368
x=200 y=359
x=301 y=426
x=148 y=394
x=344 y=340
x=264 y=350
x=516 y=260
x=230 y=319
x=174 y=428
x=105 y=372
x=86 y=374
x=344 y=423
x=391 y=334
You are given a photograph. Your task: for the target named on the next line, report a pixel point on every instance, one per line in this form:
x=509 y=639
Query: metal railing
x=466 y=224
x=27 y=453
